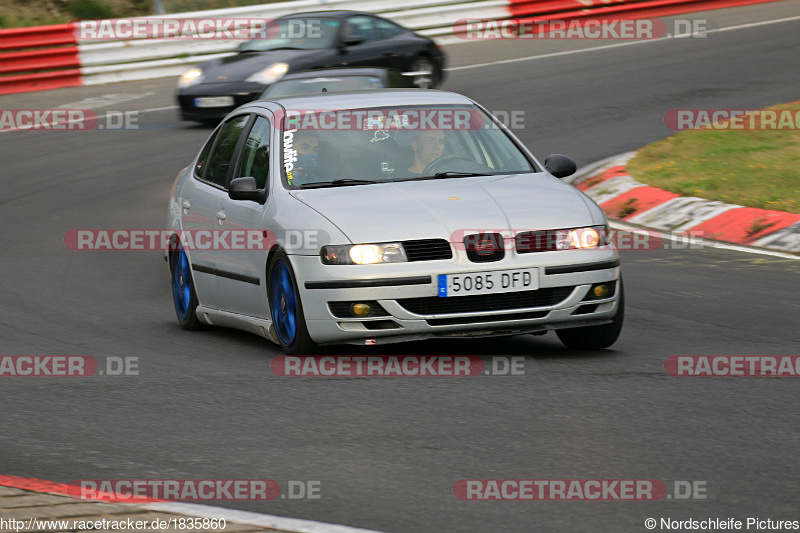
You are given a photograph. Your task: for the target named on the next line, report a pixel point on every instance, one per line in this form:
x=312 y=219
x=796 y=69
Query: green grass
x=750 y=168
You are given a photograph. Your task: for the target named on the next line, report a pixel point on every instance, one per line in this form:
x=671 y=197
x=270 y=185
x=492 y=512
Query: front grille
x=435 y=305
x=343 y=309
x=427 y=250
x=484 y=247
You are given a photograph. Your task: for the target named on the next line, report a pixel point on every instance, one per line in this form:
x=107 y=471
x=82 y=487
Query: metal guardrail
x=47 y=57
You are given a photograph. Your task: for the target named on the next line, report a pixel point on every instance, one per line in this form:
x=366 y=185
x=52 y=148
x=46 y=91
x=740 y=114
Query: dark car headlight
x=271 y=74
x=193 y=76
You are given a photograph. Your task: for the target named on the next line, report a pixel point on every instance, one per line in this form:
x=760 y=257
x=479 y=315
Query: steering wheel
x=445 y=159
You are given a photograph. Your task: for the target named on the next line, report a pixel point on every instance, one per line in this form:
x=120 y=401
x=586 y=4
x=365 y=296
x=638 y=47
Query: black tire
x=183 y=294
x=285 y=307
x=595 y=337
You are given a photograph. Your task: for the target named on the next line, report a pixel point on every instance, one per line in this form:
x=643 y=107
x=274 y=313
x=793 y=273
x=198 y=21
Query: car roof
x=368 y=98
x=365 y=71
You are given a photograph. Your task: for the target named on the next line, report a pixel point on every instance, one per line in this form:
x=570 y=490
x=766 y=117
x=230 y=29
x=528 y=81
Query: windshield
x=306 y=33
x=362 y=146
x=315 y=85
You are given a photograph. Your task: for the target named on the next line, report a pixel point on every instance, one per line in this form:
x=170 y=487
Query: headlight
x=579 y=238
x=271 y=74
x=191 y=77
x=562 y=239
x=364 y=254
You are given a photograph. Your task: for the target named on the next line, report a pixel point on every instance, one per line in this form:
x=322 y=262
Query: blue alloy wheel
x=181 y=284
x=283 y=303
x=286 y=308
x=183 y=294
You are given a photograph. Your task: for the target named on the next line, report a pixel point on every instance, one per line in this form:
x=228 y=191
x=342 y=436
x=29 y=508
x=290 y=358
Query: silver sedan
x=384 y=216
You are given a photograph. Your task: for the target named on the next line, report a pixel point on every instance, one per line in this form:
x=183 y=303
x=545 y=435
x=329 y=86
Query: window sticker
x=289 y=154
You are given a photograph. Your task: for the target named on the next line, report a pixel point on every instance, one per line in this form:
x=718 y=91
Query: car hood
x=239 y=67
x=449 y=207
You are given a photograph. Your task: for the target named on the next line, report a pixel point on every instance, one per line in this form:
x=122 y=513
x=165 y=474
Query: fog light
x=600 y=291
x=361 y=309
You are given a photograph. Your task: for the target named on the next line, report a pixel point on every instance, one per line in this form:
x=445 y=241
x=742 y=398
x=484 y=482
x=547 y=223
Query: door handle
x=221 y=216
x=186 y=204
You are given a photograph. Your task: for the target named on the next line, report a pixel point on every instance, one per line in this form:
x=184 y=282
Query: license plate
x=496 y=281
x=213 y=101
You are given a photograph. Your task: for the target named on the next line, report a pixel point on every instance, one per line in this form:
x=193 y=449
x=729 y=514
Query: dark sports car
x=306 y=41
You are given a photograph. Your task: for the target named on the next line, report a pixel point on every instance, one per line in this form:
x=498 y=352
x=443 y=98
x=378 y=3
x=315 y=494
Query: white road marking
x=79 y=120
x=293 y=525
x=106 y=99
x=617 y=45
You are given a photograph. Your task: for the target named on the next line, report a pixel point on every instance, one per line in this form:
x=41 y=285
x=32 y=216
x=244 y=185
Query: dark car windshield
x=316 y=85
x=301 y=33
x=399 y=143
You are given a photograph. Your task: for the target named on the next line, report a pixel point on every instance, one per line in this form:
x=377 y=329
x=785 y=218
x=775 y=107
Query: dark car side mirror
x=352 y=40
x=560 y=166
x=246 y=189
x=246 y=46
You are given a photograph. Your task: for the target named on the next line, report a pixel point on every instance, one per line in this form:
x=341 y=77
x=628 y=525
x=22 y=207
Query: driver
x=428 y=146
x=307 y=146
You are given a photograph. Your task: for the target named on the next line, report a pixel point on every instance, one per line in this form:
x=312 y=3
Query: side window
x=362 y=26
x=387 y=29
x=220 y=160
x=255 y=154
x=201 y=161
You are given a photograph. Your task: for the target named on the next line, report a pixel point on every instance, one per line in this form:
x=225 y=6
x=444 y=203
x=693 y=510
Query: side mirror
x=246 y=189
x=352 y=40
x=246 y=46
x=560 y=166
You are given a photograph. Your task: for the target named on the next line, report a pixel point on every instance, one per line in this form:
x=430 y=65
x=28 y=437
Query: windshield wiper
x=336 y=183
x=440 y=175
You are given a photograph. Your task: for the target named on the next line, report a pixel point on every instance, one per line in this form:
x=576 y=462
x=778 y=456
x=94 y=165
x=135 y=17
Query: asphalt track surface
x=388 y=451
